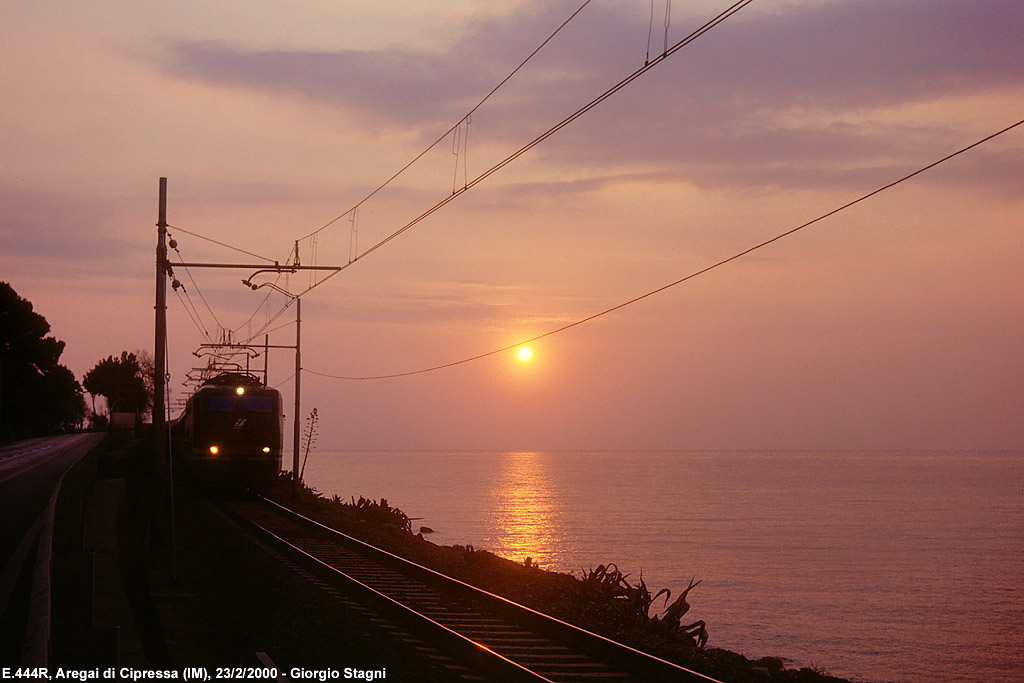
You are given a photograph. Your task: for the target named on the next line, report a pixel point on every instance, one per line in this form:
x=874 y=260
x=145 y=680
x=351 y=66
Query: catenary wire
x=693 y=275
x=724 y=15
x=199 y=291
x=283 y=382
x=274 y=329
x=454 y=127
x=240 y=250
x=263 y=303
x=222 y=244
x=193 y=315
x=648 y=65
x=265 y=328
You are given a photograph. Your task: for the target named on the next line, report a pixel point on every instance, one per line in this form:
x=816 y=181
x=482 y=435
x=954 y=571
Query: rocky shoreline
x=601 y=600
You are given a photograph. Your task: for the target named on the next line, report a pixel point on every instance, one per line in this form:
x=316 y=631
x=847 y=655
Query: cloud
x=803 y=97
x=874 y=53
x=394 y=87
x=415 y=300
x=759 y=101
x=70 y=229
x=858 y=53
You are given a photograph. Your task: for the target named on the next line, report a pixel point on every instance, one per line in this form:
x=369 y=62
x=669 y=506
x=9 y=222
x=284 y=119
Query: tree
x=38 y=395
x=122 y=382
x=148 y=367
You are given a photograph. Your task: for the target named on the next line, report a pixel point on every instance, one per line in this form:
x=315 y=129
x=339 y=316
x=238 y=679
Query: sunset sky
x=898 y=323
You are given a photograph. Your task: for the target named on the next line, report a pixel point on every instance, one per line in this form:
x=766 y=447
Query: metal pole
x=161 y=529
x=298 y=394
x=159 y=348
x=266 y=358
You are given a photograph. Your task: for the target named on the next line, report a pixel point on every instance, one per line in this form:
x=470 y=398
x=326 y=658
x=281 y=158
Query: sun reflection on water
x=525 y=508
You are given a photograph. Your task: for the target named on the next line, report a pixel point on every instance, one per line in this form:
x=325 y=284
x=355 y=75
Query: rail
x=502 y=637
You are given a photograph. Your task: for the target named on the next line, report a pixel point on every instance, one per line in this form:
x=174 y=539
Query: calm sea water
x=874 y=566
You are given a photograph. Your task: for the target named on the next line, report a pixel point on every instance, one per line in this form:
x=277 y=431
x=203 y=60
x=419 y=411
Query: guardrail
x=25 y=589
x=26 y=580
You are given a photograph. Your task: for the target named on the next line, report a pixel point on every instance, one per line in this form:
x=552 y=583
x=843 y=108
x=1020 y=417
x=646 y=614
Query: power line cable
x=454 y=127
x=199 y=291
x=281 y=384
x=272 y=320
x=736 y=7
x=193 y=314
x=263 y=303
x=712 y=23
x=724 y=15
x=209 y=308
x=222 y=244
x=693 y=275
x=249 y=340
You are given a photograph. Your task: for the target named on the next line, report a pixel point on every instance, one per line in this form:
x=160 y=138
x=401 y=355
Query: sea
x=872 y=566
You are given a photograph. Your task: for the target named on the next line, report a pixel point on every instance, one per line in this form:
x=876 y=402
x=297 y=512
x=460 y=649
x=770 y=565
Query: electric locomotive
x=229 y=435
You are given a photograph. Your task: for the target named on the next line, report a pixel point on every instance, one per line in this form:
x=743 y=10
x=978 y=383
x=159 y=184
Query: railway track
x=489 y=634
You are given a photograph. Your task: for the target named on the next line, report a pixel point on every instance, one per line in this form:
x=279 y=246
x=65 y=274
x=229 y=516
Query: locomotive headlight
x=266 y=449
x=214 y=450
x=240 y=390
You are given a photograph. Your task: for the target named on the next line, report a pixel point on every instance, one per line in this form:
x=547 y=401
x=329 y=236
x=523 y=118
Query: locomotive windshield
x=229 y=403
x=221 y=404
x=258 y=404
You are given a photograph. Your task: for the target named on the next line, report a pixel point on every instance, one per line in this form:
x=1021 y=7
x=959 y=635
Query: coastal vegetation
x=602 y=599
x=126 y=382
x=38 y=395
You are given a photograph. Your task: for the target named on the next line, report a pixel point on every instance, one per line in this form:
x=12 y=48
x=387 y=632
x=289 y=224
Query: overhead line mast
x=162 y=527
x=163 y=270
x=162 y=253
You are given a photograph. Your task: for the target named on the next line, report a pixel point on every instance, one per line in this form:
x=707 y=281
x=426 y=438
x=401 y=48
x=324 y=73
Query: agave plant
x=639 y=599
x=606 y=579
x=381 y=511
x=310 y=437
x=675 y=611
x=636 y=600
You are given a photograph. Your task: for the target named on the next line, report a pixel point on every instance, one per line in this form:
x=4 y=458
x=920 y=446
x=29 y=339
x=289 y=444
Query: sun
x=525 y=353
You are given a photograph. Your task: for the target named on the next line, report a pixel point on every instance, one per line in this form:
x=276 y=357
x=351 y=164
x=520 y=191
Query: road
x=29 y=473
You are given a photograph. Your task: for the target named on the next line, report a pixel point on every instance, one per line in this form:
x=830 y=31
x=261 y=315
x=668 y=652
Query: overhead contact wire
x=693 y=275
x=193 y=315
x=198 y=290
x=733 y=9
x=241 y=251
x=453 y=128
x=222 y=244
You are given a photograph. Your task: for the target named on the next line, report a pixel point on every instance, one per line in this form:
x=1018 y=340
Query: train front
x=236 y=436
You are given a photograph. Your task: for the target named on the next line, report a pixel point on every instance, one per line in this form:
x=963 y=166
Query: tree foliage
x=123 y=382
x=38 y=395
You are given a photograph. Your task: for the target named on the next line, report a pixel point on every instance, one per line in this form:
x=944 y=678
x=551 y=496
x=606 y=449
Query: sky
x=896 y=324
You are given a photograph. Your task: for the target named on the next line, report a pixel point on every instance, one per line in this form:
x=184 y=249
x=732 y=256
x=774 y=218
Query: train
x=229 y=434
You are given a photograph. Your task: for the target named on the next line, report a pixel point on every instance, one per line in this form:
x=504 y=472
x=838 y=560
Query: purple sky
x=896 y=324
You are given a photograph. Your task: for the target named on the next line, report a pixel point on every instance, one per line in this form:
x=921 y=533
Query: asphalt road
x=29 y=473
